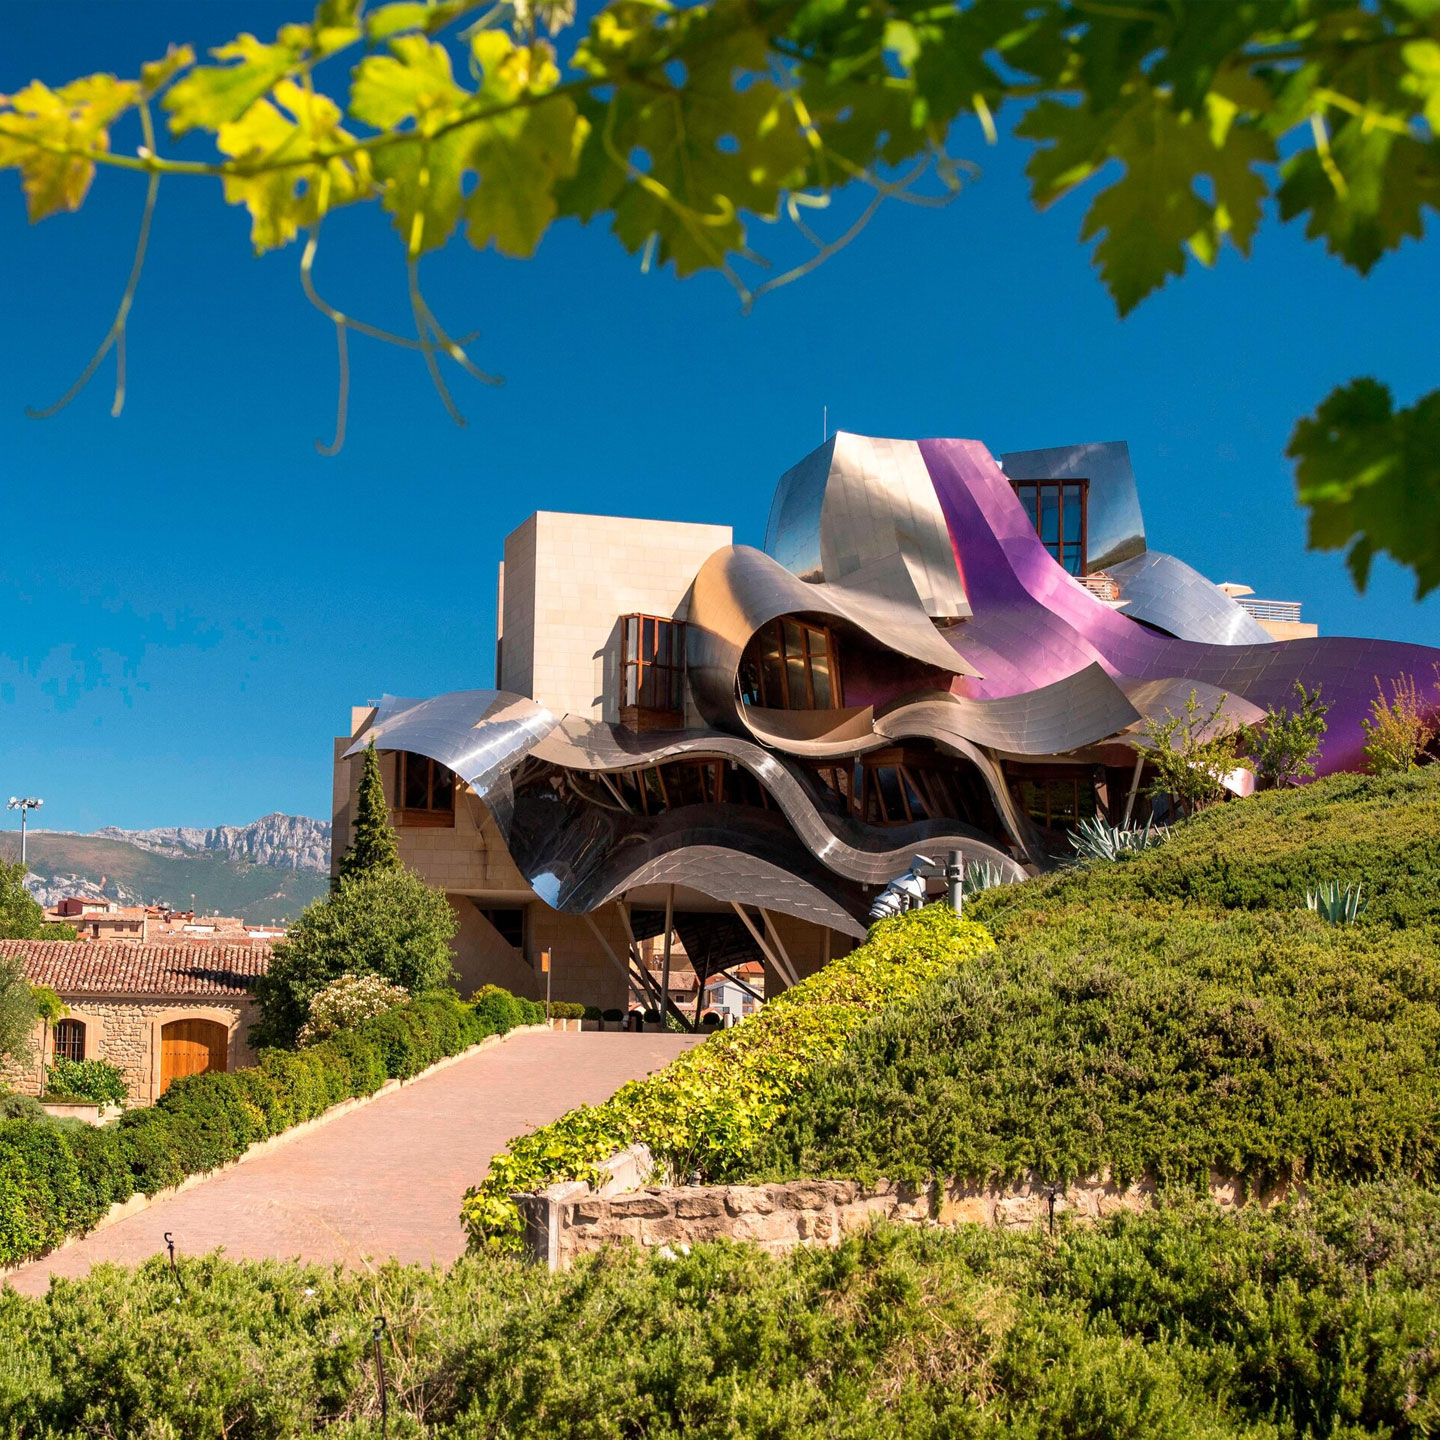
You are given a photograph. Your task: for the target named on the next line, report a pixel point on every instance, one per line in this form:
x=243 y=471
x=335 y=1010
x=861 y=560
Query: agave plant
x=1097 y=839
x=983 y=875
x=1339 y=907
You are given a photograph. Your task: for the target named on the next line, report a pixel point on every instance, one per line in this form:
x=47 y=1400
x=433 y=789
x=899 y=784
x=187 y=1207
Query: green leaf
x=1370 y=477
x=215 y=95
x=520 y=155
x=78 y=117
x=285 y=199
x=413 y=82
x=1149 y=217
x=1375 y=199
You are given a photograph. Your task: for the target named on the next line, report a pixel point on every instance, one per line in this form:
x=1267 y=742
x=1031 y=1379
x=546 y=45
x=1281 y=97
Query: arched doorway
x=188 y=1047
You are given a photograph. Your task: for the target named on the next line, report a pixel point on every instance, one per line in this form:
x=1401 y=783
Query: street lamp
x=24 y=804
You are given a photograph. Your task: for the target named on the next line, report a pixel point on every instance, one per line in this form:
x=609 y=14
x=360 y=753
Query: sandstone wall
x=570 y=1220
x=127 y=1033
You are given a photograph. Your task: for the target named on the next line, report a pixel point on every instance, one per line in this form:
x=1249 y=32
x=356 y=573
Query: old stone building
x=156 y=1011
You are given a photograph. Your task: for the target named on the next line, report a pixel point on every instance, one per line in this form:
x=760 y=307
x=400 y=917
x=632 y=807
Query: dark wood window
x=1059 y=800
x=792 y=665
x=425 y=790
x=509 y=922
x=652 y=671
x=69 y=1040
x=659 y=788
x=1058 y=509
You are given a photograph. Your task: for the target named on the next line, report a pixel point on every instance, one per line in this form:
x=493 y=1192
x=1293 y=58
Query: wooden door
x=188 y=1047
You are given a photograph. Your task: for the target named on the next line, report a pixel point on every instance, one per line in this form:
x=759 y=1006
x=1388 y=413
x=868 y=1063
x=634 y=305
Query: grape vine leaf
x=1370 y=475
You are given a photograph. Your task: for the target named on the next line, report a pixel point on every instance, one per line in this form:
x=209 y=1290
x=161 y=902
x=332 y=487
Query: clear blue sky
x=191 y=598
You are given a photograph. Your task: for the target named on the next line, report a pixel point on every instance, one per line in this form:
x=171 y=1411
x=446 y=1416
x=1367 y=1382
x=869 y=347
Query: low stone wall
x=572 y=1219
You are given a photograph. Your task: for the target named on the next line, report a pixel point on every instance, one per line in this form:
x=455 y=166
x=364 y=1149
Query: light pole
x=24 y=804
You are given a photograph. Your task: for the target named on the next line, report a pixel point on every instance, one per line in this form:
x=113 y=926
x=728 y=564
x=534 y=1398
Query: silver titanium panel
x=479 y=734
x=1078 y=710
x=843 y=845
x=1169 y=594
x=861 y=512
x=1154 y=699
x=739 y=589
x=1115 y=526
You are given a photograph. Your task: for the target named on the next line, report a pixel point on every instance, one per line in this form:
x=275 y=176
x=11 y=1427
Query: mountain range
x=268 y=870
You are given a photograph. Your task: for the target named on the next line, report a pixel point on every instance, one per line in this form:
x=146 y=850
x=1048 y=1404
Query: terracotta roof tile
x=78 y=968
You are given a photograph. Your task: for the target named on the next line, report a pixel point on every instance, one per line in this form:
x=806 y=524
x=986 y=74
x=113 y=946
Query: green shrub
x=590 y=1012
x=1150 y=1038
x=1181 y=1324
x=60 y=1177
x=707 y=1110
x=1261 y=853
x=612 y=1016
x=499 y=1009
x=569 y=1010
x=381 y=922
x=92 y=1080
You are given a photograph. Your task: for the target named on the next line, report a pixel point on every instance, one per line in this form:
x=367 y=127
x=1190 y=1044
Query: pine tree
x=373 y=848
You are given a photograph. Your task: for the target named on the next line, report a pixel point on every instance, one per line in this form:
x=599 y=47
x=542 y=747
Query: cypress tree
x=372 y=848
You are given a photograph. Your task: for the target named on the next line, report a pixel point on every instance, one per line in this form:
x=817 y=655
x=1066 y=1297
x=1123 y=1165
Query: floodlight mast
x=24 y=804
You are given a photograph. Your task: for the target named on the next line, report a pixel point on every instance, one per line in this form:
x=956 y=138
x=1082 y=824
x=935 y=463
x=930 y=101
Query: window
x=510 y=923
x=1058 y=510
x=69 y=1037
x=652 y=666
x=656 y=789
x=791 y=665
x=1058 y=801
x=425 y=786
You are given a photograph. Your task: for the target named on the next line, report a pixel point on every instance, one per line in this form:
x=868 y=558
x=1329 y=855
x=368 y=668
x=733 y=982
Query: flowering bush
x=708 y=1110
x=347 y=1002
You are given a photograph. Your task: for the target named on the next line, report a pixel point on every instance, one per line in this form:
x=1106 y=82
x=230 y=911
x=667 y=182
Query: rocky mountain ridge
x=284 y=842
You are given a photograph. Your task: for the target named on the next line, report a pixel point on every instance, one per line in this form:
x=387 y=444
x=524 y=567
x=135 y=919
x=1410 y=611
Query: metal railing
x=1271 y=609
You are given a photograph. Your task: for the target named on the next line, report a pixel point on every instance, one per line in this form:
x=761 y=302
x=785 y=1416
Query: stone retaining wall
x=571 y=1219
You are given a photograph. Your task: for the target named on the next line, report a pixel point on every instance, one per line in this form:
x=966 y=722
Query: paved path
x=386 y=1179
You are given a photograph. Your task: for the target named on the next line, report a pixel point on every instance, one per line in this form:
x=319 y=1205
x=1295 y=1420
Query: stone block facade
x=570 y=1220
x=127 y=1032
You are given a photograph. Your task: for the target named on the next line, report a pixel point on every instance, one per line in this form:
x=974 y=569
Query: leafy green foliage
x=17 y=1010
x=684 y=125
x=373 y=846
x=1283 y=746
x=706 y=1111
x=1174 y=1013
x=346 y=1003
x=21 y=917
x=59 y=1179
x=381 y=922
x=1370 y=476
x=86 y=1080
x=1192 y=753
x=1183 y=1324
x=1397 y=730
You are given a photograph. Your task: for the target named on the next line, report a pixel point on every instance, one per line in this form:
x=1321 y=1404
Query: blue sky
x=191 y=597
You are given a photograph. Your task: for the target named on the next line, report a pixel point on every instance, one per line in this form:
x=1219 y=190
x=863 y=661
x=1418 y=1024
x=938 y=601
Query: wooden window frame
x=430 y=813
x=60 y=1044
x=1032 y=509
x=776 y=629
x=1045 y=777
x=666 y=679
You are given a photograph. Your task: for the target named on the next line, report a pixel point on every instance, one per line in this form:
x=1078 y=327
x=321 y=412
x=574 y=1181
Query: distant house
x=105 y=920
x=156 y=1011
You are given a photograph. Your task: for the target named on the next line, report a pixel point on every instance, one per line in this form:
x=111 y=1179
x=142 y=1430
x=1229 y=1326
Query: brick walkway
x=386 y=1179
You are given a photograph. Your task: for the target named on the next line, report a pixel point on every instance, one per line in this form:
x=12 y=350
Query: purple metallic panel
x=1034 y=624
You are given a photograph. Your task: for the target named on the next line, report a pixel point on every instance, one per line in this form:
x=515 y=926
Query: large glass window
x=69 y=1040
x=425 y=785
x=1058 y=510
x=1057 y=801
x=791 y=665
x=652 y=663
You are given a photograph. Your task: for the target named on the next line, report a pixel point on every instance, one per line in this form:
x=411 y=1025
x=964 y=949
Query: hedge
x=1150 y=1040
x=57 y=1181
x=705 y=1112
x=1181 y=1324
x=1263 y=852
